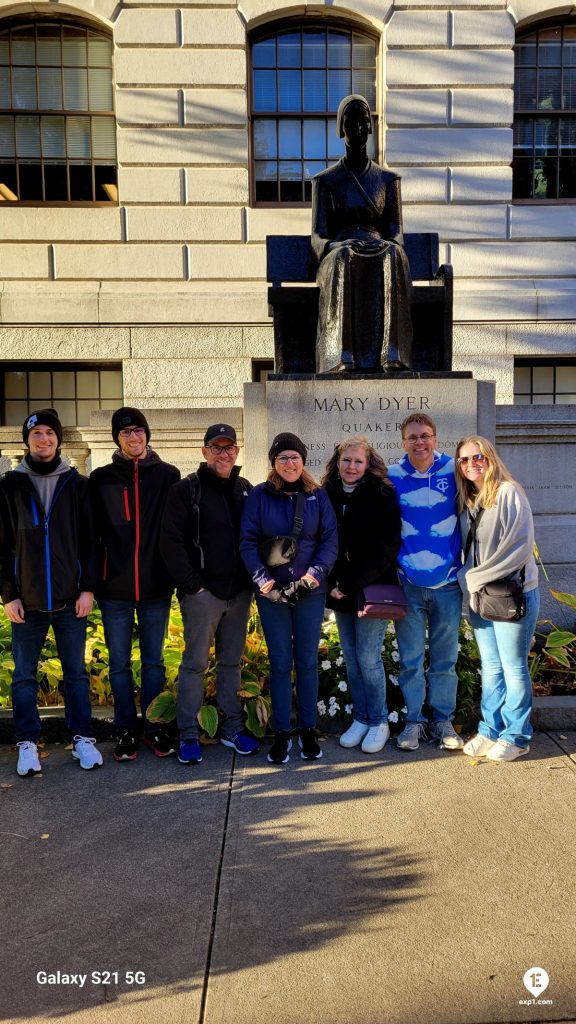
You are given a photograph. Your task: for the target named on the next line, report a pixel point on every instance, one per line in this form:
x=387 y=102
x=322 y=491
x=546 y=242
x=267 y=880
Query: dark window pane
x=291 y=191
x=524 y=134
x=523 y=178
x=546 y=137
x=335 y=144
x=545 y=179
x=569 y=91
x=289 y=140
x=569 y=49
x=567 y=134
x=549 y=89
x=264 y=53
x=4 y=49
x=48 y=50
x=289 y=90
x=315 y=140
x=264 y=90
x=363 y=52
x=56 y=182
x=549 y=48
x=265 y=145
x=8 y=177
x=314 y=48
x=30 y=181
x=338 y=88
x=307 y=190
x=525 y=89
x=567 y=177
x=526 y=51
x=312 y=167
x=266 y=191
x=339 y=50
x=315 y=90
x=289 y=54
x=104 y=175
x=81 y=182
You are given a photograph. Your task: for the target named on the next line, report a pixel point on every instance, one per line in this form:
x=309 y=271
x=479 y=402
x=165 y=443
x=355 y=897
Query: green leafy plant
x=553 y=661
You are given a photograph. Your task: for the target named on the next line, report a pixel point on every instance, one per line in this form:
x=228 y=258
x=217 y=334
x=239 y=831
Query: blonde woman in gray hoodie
x=503 y=546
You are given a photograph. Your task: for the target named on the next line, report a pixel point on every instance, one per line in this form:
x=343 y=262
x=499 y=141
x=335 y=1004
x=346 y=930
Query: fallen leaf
x=45 y=835
x=561 y=737
x=44 y=753
x=6 y=785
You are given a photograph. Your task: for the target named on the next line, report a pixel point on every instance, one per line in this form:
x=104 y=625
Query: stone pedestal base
x=322 y=411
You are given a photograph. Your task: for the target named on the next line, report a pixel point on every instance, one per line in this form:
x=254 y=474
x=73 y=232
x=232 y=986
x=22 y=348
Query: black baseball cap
x=223 y=430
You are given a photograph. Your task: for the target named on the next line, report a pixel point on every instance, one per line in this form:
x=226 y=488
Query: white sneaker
x=354 y=734
x=28 y=760
x=478 y=746
x=447 y=735
x=504 y=751
x=376 y=738
x=86 y=752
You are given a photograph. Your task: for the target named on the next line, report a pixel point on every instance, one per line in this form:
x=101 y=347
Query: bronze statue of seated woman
x=364 y=321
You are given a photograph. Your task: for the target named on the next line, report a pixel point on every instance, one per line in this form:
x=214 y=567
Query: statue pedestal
x=324 y=410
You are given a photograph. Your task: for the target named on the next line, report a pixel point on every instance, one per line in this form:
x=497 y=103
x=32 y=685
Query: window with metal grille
x=544 y=163
x=299 y=75
x=57 y=124
x=545 y=382
x=73 y=389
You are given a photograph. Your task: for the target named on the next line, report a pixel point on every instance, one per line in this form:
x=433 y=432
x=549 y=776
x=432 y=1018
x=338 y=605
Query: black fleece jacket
x=129 y=496
x=369 y=529
x=199 y=540
x=46 y=560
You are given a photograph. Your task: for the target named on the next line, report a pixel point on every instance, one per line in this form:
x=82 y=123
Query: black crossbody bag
x=280 y=550
x=502 y=600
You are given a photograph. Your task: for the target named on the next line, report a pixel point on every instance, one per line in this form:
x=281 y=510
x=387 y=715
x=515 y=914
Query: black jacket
x=369 y=529
x=129 y=497
x=200 y=533
x=46 y=560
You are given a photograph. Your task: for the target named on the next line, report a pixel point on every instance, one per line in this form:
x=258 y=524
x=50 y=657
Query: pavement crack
x=208 y=965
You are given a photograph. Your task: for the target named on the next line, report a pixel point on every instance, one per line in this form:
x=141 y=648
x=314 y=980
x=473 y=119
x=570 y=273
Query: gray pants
x=207 y=618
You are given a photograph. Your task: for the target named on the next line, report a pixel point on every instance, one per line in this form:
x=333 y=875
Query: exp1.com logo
x=536 y=980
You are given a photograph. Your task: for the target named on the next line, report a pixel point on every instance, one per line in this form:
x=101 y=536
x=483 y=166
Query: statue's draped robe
x=364 y=314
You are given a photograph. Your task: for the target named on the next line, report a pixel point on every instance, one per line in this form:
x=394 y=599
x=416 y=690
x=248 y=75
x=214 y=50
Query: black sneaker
x=280 y=749
x=160 y=742
x=126 y=747
x=309 y=749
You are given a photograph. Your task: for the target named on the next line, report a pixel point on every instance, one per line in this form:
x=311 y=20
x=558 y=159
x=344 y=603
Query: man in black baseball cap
x=199 y=542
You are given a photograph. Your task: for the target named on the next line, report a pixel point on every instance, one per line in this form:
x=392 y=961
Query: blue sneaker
x=189 y=752
x=242 y=743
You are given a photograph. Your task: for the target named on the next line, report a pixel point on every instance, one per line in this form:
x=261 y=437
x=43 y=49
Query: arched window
x=545 y=112
x=57 y=124
x=300 y=72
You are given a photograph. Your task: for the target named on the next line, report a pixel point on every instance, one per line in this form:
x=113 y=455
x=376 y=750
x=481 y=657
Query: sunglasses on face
x=465 y=459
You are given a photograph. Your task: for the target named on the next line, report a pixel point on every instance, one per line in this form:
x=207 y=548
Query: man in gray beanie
x=47 y=578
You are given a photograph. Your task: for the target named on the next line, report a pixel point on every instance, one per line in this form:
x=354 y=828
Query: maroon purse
x=382 y=601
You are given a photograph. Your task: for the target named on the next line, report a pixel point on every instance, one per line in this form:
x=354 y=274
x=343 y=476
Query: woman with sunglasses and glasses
x=503 y=546
x=290 y=595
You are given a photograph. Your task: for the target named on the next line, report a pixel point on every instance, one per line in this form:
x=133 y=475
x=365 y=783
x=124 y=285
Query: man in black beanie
x=129 y=495
x=47 y=578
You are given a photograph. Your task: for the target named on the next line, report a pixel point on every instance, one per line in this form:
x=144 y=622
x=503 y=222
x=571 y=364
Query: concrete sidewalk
x=403 y=888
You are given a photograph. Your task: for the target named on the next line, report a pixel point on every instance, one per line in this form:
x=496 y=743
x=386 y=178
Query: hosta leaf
x=162 y=709
x=208 y=718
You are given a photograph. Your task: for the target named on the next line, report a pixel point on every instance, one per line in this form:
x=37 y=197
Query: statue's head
x=352 y=107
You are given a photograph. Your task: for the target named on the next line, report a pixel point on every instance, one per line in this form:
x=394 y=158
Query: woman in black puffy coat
x=368 y=518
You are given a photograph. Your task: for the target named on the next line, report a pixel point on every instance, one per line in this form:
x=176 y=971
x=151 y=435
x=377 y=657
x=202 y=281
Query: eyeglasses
x=137 y=431
x=419 y=437
x=465 y=459
x=226 y=449
x=285 y=459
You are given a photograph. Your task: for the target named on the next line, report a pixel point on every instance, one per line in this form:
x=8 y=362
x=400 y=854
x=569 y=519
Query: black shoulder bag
x=281 y=550
x=502 y=600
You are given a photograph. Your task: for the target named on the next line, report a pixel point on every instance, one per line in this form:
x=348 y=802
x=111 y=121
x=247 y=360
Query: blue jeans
x=442 y=610
x=27 y=641
x=506 y=700
x=292 y=635
x=118 y=618
x=361 y=642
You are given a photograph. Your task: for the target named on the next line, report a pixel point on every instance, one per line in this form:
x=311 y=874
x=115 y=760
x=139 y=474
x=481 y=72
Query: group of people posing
x=134 y=530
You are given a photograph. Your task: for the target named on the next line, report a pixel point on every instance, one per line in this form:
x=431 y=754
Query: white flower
x=395 y=656
x=390 y=627
x=393 y=716
x=333 y=709
x=342 y=685
x=339 y=660
x=404 y=711
x=459 y=647
x=326 y=666
x=331 y=617
x=348 y=708
x=332 y=700
x=321 y=707
x=395 y=644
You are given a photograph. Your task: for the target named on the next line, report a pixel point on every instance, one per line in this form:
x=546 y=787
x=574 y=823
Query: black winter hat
x=44 y=418
x=128 y=417
x=287 y=442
